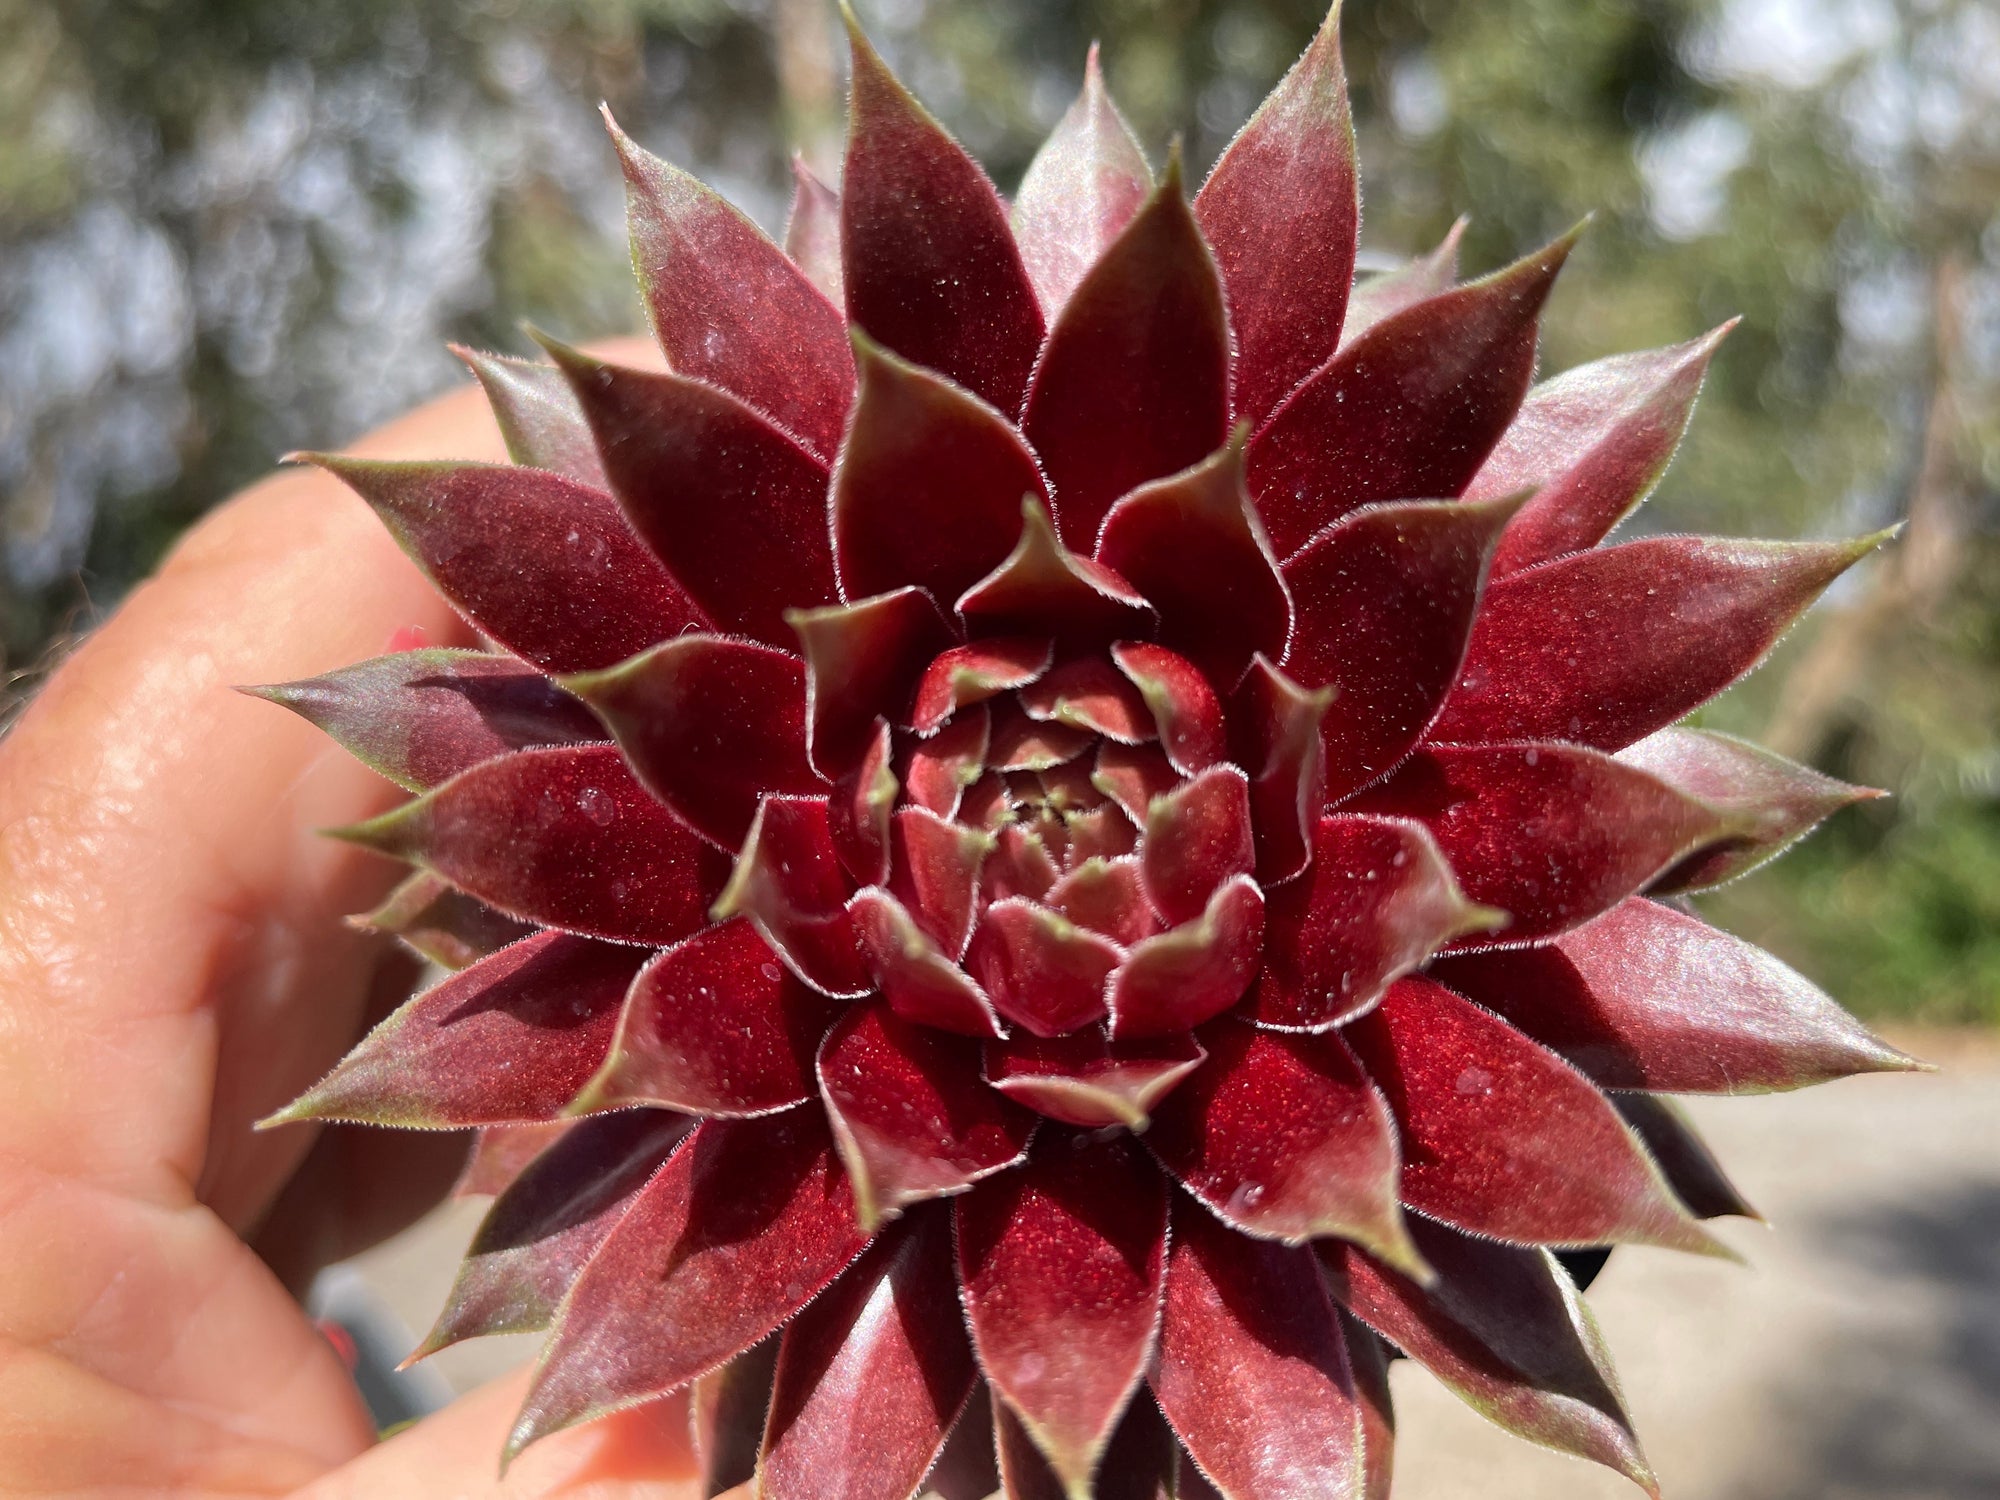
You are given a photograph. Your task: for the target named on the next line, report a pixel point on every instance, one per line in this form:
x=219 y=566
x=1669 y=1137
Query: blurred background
x=233 y=227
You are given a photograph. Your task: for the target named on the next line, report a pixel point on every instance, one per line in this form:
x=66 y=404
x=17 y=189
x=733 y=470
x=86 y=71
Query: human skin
x=173 y=967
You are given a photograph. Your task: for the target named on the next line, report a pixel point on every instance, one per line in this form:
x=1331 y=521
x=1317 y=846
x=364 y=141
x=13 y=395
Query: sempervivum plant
x=1067 y=838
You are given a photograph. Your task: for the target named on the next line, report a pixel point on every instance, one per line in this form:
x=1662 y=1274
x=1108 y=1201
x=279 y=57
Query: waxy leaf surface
x=1085 y=1079
x=539 y=419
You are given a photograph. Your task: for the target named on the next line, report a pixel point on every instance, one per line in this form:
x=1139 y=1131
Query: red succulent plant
x=1068 y=837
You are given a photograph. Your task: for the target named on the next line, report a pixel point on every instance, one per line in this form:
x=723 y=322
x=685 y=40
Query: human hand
x=173 y=967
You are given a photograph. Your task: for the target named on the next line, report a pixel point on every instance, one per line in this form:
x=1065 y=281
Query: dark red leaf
x=1275 y=726
x=1647 y=997
x=1683 y=1157
x=565 y=837
x=936 y=772
x=928 y=260
x=1061 y=1264
x=1185 y=975
x=920 y=983
x=863 y=661
x=545 y=566
x=968 y=1469
x=1369 y=1360
x=911 y=1114
x=726 y=1410
x=1252 y=1370
x=500 y=1153
x=1502 y=1138
x=859 y=810
x=1107 y=896
x=1090 y=694
x=1197 y=837
x=512 y=1038
x=1043 y=588
x=442 y=924
x=1085 y=1079
x=936 y=873
x=1282 y=209
x=1409 y=410
x=788 y=882
x=1044 y=972
x=975 y=672
x=1133 y=775
x=1020 y=865
x=747 y=1223
x=1100 y=834
x=1386 y=295
x=728 y=306
x=812 y=231
x=539 y=419
x=1186 y=712
x=1020 y=743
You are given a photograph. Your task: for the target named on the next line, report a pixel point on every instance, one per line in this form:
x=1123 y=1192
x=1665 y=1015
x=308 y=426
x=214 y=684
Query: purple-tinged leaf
x=935 y=868
x=1187 y=974
x=545 y=566
x=444 y=925
x=1083 y=187
x=1282 y=209
x=1133 y=384
x=1142 y=1460
x=1591 y=443
x=1107 y=896
x=548 y=1222
x=927 y=489
x=539 y=419
x=1252 y=1369
x=863 y=661
x=1502 y=1138
x=1020 y=743
x=1020 y=865
x=1386 y=295
x=1368 y=1358
x=1061 y=1265
x=709 y=725
x=1606 y=646
x=1045 y=588
x=1191 y=544
x=968 y=1468
x=1386 y=602
x=1197 y=837
x=1506 y=1332
x=920 y=983
x=713 y=1026
x=872 y=1376
x=911 y=1114
x=1276 y=727
x=1550 y=834
x=565 y=837
x=1024 y=1473
x=859 y=811
x=929 y=264
x=748 y=1221
x=1044 y=972
x=1647 y=997
x=727 y=305
x=1683 y=1157
x=1778 y=801
x=1132 y=776
x=508 y=1040
x=735 y=507
x=726 y=1410
x=500 y=1153
x=1376 y=902
x=421 y=717
x=1186 y=712
x=1085 y=1079
x=812 y=231
x=1409 y=410
x=1284 y=1138
x=788 y=882
x=975 y=672
x=1090 y=694
x=937 y=772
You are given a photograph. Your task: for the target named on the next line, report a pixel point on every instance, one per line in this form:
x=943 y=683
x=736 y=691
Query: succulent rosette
x=1068 y=836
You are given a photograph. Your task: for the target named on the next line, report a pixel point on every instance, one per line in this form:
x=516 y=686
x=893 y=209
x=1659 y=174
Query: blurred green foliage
x=228 y=227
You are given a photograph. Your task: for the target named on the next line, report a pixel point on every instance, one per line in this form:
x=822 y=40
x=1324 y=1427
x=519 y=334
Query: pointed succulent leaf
x=709 y=725
x=1376 y=902
x=968 y=1468
x=1502 y=1138
x=1083 y=187
x=787 y=881
x=1386 y=603
x=745 y=1225
x=1044 y=972
x=1277 y=730
x=859 y=810
x=1550 y=834
x=1648 y=997
x=1407 y=411
x=920 y=983
x=442 y=924
x=727 y=305
x=1090 y=694
x=1191 y=544
x=1020 y=743
x=1368 y=1358
x=1133 y=384
x=565 y=837
x=421 y=717
x=863 y=662
x=1024 y=1472
x=1504 y=1330
x=1606 y=646
x=1186 y=712
x=549 y=1221
x=1778 y=801
x=929 y=264
x=1683 y=1157
x=872 y=1376
x=1284 y=1138
x=812 y=231
x=539 y=419
x=735 y=507
x=1132 y=776
x=1043 y=586
x=1102 y=834
x=1060 y=1264
x=1282 y=209
x=1197 y=837
x=500 y=1153
x=911 y=1114
x=545 y=566
x=1185 y=975
x=510 y=1039
x=713 y=1026
x=936 y=873
x=1020 y=865
x=1107 y=896
x=937 y=772
x=974 y=672
x=928 y=486
x=726 y=1410
x=1386 y=295
x=1252 y=1370
x=1085 y=1079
